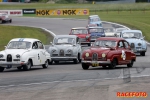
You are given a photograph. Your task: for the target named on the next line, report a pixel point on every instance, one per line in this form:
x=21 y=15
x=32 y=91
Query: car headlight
x=69 y=50
x=1 y=55
x=17 y=56
x=139 y=44
x=103 y=55
x=87 y=36
x=87 y=54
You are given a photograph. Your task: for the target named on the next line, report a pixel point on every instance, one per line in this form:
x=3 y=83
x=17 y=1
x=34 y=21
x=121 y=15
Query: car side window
x=126 y=45
x=35 y=46
x=120 y=44
x=40 y=45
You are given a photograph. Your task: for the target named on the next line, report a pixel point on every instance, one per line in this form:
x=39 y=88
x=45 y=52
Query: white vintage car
x=5 y=18
x=65 y=48
x=109 y=32
x=24 y=53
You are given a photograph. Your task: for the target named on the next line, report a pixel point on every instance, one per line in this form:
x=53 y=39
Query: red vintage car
x=108 y=52
x=5 y=18
x=82 y=33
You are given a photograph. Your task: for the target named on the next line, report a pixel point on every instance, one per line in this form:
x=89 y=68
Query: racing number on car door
x=41 y=53
x=121 y=52
x=128 y=52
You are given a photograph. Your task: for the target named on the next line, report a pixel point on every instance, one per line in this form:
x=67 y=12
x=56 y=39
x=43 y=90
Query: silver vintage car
x=65 y=48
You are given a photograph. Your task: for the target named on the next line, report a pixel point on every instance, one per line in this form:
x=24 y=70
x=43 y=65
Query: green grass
x=9 y=32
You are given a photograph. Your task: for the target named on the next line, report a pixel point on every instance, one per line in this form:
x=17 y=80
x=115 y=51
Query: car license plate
x=95 y=63
x=9 y=66
x=137 y=53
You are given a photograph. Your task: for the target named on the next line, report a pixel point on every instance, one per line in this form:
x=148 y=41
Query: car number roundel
x=123 y=55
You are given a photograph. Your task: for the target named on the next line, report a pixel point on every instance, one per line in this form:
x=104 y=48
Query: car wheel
x=142 y=53
x=56 y=62
x=50 y=62
x=85 y=66
x=104 y=66
x=79 y=58
x=10 y=21
x=45 y=65
x=75 y=61
x=27 y=66
x=19 y=68
x=113 y=64
x=2 y=69
x=130 y=64
x=1 y=21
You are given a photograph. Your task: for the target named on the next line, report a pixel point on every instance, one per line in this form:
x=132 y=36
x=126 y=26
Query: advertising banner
x=12 y=12
x=29 y=11
x=62 y=12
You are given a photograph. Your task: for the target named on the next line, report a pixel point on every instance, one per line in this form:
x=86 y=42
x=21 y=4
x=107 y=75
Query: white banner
x=12 y=12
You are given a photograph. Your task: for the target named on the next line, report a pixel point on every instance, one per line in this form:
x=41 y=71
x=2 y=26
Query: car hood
x=98 y=50
x=97 y=33
x=64 y=47
x=81 y=35
x=135 y=41
x=14 y=51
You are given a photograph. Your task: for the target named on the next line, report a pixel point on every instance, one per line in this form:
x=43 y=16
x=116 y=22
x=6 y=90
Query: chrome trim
x=100 y=62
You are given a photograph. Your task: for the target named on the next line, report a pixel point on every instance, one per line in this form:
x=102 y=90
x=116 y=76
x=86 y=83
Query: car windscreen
x=109 y=30
x=19 y=45
x=131 y=35
x=79 y=31
x=96 y=30
x=64 y=40
x=105 y=43
x=94 y=19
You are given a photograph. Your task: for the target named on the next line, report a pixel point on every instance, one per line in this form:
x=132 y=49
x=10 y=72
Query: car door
x=121 y=52
x=128 y=51
x=42 y=51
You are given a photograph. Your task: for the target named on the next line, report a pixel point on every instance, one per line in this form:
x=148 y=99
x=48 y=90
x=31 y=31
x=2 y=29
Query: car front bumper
x=63 y=58
x=97 y=62
x=12 y=64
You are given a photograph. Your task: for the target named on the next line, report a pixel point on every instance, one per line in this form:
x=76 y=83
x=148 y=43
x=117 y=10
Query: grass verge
x=9 y=32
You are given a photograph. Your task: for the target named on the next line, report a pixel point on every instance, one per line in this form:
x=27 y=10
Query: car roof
x=110 y=38
x=93 y=16
x=138 y=31
x=25 y=39
x=71 y=36
x=79 y=28
x=96 y=27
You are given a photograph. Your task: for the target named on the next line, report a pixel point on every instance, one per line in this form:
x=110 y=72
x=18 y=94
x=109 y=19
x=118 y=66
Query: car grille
x=54 y=54
x=61 y=53
x=16 y=59
x=95 y=56
x=9 y=58
x=132 y=45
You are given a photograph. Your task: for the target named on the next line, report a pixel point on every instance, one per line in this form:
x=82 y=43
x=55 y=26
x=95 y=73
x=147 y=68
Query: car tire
x=130 y=64
x=1 y=21
x=85 y=66
x=45 y=65
x=10 y=21
x=27 y=66
x=142 y=53
x=113 y=64
x=104 y=66
x=75 y=61
x=19 y=68
x=2 y=69
x=50 y=62
x=79 y=58
x=56 y=62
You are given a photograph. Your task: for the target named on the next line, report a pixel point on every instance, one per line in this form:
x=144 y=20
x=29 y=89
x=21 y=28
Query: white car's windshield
x=64 y=40
x=131 y=35
x=19 y=45
x=93 y=30
x=79 y=31
x=105 y=43
x=109 y=30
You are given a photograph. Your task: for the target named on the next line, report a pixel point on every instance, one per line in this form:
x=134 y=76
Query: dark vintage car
x=108 y=52
x=82 y=34
x=4 y=18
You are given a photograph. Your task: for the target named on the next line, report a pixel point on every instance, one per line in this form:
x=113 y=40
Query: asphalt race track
x=68 y=81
